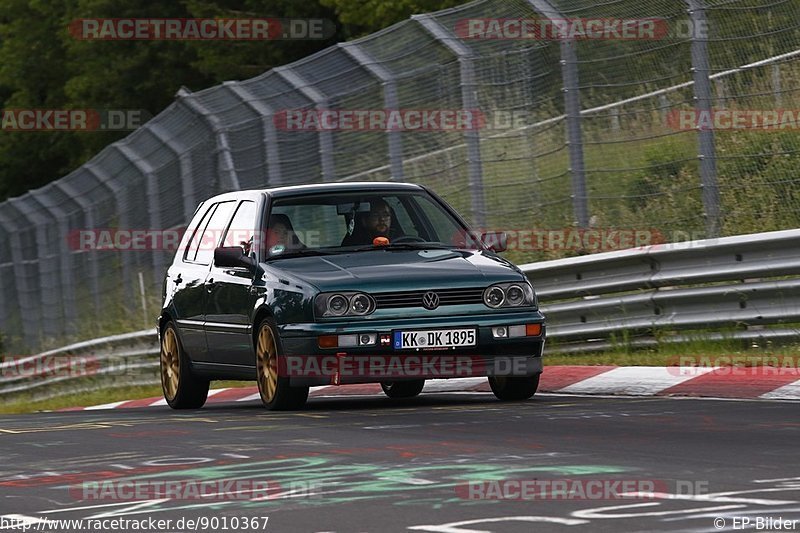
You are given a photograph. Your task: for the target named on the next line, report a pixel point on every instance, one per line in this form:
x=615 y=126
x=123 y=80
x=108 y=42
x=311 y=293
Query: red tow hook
x=336 y=379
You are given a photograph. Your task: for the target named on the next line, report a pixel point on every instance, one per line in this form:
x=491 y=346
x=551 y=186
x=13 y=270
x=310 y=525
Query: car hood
x=398 y=270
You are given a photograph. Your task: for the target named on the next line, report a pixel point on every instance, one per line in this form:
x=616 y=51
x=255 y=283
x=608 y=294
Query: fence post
x=663 y=106
x=572 y=110
x=153 y=203
x=777 y=88
x=704 y=99
x=272 y=154
x=184 y=158
x=225 y=163
x=469 y=101
x=390 y=101
x=48 y=289
x=91 y=223
x=320 y=102
x=67 y=287
x=28 y=307
x=121 y=199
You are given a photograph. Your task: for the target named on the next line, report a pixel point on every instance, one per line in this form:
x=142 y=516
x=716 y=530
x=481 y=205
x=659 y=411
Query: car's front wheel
x=508 y=388
x=402 y=389
x=182 y=389
x=275 y=392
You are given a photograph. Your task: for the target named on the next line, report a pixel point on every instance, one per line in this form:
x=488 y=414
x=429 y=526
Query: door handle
x=178 y=280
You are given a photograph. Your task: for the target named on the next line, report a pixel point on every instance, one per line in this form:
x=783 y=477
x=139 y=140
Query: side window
x=194 y=243
x=211 y=235
x=242 y=228
x=312 y=225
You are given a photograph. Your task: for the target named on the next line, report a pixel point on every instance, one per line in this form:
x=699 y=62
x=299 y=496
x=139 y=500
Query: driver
x=376 y=223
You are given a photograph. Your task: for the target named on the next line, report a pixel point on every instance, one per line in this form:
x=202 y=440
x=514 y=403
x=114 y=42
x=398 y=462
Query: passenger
x=281 y=233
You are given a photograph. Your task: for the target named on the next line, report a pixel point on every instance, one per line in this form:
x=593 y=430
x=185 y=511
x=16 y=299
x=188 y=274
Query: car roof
x=318 y=188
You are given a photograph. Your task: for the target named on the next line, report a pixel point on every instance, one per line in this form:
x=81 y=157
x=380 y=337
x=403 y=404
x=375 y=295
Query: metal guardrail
x=734 y=286
x=673 y=292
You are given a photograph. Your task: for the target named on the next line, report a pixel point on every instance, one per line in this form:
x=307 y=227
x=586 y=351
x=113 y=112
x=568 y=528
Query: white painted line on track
x=452 y=385
x=250 y=398
x=787 y=392
x=635 y=380
x=111 y=405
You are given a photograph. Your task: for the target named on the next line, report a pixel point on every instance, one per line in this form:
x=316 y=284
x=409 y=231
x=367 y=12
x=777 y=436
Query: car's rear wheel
x=509 y=388
x=402 y=389
x=275 y=392
x=182 y=389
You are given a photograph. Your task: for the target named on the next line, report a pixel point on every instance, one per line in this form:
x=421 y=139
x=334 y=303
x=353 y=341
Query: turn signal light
x=328 y=341
x=533 y=330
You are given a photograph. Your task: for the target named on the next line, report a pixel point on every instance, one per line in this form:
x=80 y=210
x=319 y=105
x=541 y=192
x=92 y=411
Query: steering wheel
x=408 y=238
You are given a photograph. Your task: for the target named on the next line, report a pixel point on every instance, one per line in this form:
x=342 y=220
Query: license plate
x=434 y=338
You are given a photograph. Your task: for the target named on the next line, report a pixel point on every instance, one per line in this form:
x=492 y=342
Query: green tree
x=367 y=16
x=43 y=66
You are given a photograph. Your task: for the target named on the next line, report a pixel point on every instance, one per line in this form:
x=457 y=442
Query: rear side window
x=242 y=228
x=194 y=243
x=202 y=251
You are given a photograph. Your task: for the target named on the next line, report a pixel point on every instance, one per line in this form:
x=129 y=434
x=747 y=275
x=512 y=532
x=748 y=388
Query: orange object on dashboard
x=380 y=241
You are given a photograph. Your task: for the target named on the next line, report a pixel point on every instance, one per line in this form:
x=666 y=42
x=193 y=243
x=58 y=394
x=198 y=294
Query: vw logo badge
x=430 y=300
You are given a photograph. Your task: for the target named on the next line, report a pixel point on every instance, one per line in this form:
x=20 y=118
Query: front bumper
x=306 y=364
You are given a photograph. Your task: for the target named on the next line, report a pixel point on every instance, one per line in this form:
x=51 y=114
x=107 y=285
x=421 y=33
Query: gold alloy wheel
x=170 y=364
x=266 y=351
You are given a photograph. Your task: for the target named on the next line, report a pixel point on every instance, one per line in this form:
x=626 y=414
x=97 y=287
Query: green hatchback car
x=343 y=283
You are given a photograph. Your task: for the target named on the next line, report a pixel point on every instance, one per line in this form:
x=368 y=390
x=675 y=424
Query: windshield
x=313 y=225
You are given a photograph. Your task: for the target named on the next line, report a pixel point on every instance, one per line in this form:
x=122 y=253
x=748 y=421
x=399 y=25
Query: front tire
x=275 y=392
x=509 y=389
x=182 y=389
x=402 y=389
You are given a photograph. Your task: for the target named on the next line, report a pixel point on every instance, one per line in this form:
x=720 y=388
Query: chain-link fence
x=683 y=125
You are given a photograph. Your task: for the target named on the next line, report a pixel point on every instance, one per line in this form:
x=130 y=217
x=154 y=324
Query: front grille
x=394 y=300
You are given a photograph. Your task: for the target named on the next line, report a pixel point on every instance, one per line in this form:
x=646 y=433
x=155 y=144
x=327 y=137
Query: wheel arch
x=263 y=312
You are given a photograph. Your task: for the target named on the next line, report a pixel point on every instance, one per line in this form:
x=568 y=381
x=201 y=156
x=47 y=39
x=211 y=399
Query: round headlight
x=360 y=304
x=337 y=305
x=494 y=297
x=515 y=295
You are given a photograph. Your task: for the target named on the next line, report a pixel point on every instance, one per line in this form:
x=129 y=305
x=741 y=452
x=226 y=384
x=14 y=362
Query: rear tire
x=402 y=389
x=275 y=392
x=509 y=389
x=182 y=389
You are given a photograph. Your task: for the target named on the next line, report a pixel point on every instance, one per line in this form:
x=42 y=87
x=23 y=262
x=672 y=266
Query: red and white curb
x=765 y=383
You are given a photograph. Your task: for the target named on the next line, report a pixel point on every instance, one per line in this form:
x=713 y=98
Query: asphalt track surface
x=372 y=464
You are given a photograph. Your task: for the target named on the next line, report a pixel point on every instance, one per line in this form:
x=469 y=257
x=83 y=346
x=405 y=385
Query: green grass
x=116 y=394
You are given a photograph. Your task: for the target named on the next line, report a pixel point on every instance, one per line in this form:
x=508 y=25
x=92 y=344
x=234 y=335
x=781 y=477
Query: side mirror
x=496 y=241
x=233 y=257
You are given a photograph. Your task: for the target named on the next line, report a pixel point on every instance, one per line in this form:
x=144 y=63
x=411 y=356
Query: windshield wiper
x=404 y=246
x=307 y=252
